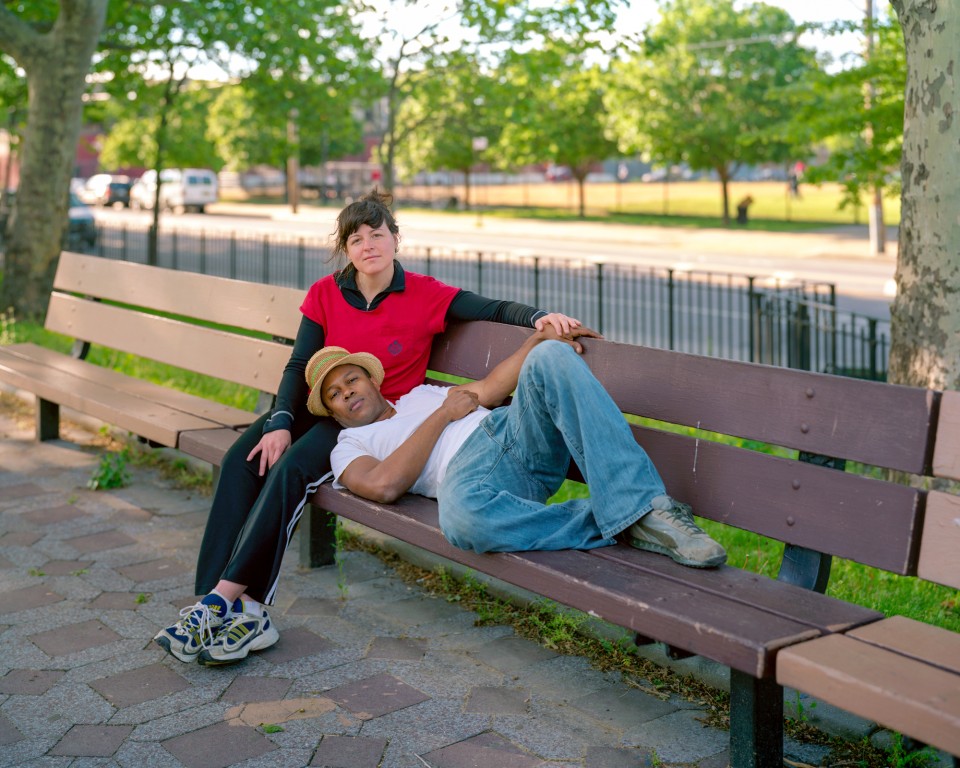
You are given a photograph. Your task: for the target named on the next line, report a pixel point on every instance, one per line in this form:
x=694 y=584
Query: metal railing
x=725 y=315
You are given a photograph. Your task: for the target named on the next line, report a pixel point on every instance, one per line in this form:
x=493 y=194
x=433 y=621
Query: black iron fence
x=731 y=316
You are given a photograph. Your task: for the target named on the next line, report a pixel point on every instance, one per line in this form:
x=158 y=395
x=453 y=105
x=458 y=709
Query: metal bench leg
x=318 y=537
x=48 y=420
x=756 y=722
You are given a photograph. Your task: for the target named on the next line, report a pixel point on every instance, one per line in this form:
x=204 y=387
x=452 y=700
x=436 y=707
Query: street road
x=838 y=255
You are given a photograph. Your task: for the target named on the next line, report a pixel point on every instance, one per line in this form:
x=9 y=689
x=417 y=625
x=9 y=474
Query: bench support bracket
x=756 y=722
x=318 y=537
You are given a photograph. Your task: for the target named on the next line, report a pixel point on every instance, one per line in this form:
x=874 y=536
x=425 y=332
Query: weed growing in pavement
x=112 y=471
x=142 y=598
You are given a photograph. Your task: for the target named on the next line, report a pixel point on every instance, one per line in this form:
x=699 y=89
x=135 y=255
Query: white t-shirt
x=382 y=438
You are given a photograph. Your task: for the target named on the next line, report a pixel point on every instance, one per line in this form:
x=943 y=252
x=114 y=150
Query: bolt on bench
x=770 y=632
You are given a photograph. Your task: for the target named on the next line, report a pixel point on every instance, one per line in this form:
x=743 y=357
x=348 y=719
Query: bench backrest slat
x=940 y=549
x=245 y=360
x=878 y=424
x=237 y=303
x=946 y=454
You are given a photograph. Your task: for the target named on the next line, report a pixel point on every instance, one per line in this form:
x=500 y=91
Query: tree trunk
x=925 y=349
x=583 y=195
x=725 y=187
x=56 y=65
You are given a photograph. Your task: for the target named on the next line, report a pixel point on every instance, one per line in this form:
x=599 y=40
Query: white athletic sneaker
x=240 y=634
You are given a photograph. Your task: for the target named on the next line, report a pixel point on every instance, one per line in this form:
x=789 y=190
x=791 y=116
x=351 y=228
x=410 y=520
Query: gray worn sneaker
x=668 y=529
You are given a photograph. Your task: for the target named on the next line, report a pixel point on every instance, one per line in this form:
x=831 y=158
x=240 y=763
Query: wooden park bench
x=769 y=632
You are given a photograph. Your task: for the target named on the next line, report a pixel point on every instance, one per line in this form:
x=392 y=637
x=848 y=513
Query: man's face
x=352 y=397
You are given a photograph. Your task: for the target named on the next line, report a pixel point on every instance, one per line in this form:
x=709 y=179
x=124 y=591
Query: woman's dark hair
x=373 y=209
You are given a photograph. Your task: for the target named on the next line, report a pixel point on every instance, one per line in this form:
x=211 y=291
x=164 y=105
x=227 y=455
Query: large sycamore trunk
x=56 y=64
x=926 y=313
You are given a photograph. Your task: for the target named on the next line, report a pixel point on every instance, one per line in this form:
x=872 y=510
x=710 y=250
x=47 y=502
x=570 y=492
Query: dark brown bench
x=228 y=329
x=769 y=632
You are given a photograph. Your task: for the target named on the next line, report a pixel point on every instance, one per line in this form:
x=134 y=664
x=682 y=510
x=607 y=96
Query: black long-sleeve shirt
x=292 y=394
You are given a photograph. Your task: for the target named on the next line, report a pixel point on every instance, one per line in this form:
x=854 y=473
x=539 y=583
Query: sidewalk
x=369 y=671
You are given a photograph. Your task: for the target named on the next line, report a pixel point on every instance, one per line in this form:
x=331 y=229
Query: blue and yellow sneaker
x=196 y=630
x=248 y=630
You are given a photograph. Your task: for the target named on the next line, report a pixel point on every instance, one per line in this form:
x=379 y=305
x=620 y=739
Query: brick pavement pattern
x=369 y=672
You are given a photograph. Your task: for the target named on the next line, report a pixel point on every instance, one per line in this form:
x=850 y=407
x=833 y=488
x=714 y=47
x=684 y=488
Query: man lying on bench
x=492 y=471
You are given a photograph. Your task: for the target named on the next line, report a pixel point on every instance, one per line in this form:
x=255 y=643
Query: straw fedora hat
x=325 y=361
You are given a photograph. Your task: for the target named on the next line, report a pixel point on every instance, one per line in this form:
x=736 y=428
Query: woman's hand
x=561 y=323
x=271 y=448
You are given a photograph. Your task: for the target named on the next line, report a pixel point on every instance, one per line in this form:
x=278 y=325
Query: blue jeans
x=493 y=496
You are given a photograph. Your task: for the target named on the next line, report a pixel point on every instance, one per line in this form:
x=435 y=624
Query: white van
x=181 y=189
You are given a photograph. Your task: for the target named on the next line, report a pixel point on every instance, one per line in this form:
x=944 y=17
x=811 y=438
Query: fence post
x=265 y=262
x=203 y=252
x=480 y=272
x=753 y=317
x=233 y=255
x=301 y=266
x=176 y=249
x=872 y=331
x=536 y=282
x=427 y=271
x=670 y=288
x=599 y=297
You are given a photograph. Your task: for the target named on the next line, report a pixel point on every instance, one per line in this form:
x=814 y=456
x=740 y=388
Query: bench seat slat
x=823 y=613
x=150 y=420
x=171 y=398
x=742 y=636
x=916 y=639
x=829 y=415
x=193 y=347
x=884 y=686
x=253 y=306
x=208 y=444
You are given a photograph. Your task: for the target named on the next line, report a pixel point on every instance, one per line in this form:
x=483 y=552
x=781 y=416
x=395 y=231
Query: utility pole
x=878 y=234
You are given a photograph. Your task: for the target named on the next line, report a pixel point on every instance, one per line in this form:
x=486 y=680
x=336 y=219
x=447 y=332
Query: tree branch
x=16 y=36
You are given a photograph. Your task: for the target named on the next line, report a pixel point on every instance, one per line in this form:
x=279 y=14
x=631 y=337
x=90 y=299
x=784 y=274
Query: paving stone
x=32 y=682
x=296 y=643
x=74 y=638
x=679 y=737
x=20 y=539
x=52 y=515
x=497 y=701
x=246 y=688
x=315 y=606
x=512 y=654
x=416 y=611
x=349 y=752
x=396 y=648
x=611 y=757
x=623 y=707
x=139 y=685
x=487 y=749
x=5 y=564
x=164 y=568
x=19 y=491
x=92 y=740
x=100 y=542
x=375 y=696
x=114 y=601
x=26 y=598
x=218 y=746
x=65 y=567
x=8 y=732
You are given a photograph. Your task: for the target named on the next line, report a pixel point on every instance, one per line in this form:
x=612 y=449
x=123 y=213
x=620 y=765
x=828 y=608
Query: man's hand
x=271 y=448
x=549 y=333
x=459 y=403
x=560 y=322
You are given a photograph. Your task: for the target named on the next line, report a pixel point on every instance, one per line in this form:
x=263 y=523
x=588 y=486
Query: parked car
x=181 y=189
x=82 y=228
x=106 y=189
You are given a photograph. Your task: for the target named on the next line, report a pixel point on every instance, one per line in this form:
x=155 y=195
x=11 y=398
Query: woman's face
x=371 y=250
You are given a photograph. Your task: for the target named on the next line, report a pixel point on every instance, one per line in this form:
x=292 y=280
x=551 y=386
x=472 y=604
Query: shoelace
x=198 y=624
x=682 y=514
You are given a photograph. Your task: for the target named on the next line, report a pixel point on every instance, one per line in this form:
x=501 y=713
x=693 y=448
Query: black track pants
x=252 y=518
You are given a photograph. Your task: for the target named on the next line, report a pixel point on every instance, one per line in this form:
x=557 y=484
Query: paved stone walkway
x=369 y=672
